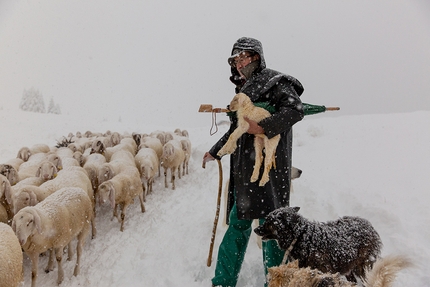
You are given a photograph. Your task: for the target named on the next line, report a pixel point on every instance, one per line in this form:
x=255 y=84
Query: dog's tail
x=384 y=271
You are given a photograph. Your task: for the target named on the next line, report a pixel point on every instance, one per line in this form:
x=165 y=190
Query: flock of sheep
x=49 y=195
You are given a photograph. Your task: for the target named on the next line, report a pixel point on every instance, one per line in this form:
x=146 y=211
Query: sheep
x=79 y=157
x=73 y=176
x=121 y=190
x=186 y=147
x=29 y=168
x=147 y=163
x=52 y=224
x=244 y=107
x=172 y=158
x=126 y=144
x=3 y=214
x=119 y=161
x=11 y=264
x=92 y=165
x=28 y=195
x=5 y=188
x=24 y=153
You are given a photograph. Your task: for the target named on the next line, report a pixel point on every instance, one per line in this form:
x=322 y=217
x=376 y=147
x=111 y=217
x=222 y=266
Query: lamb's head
x=238 y=101
x=168 y=150
x=23 y=198
x=106 y=192
x=25 y=223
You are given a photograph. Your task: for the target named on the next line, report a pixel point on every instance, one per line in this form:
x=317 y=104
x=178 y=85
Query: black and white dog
x=348 y=245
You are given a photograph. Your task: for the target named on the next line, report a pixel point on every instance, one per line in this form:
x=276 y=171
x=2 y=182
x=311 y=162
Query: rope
x=213 y=124
x=287 y=252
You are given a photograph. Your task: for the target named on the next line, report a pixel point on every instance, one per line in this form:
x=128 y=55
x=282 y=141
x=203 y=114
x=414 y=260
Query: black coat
x=253 y=201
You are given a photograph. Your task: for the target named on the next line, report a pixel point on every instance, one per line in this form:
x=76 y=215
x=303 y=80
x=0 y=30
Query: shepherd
x=248 y=200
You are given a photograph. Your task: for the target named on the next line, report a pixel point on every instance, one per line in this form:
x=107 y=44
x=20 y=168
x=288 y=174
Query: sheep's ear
x=296 y=209
x=7 y=191
x=38 y=171
x=112 y=195
x=13 y=226
x=33 y=198
x=37 y=220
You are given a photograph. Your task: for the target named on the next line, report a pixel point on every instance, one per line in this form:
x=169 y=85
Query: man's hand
x=254 y=128
x=207 y=157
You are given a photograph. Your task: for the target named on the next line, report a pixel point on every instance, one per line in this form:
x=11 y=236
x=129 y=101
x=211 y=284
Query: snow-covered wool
x=348 y=245
x=11 y=254
x=53 y=224
x=382 y=274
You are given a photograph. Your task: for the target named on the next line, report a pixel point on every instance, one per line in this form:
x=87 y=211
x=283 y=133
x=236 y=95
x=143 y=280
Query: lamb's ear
x=296 y=209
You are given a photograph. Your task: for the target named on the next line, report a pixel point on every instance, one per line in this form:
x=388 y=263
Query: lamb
x=121 y=190
x=244 y=107
x=52 y=224
x=172 y=158
x=147 y=163
x=11 y=263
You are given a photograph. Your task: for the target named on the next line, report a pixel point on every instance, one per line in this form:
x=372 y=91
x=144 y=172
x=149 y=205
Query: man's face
x=243 y=60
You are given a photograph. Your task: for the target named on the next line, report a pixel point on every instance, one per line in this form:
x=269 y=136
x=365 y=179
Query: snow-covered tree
x=53 y=108
x=32 y=101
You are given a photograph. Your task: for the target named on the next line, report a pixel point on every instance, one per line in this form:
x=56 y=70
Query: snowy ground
x=374 y=166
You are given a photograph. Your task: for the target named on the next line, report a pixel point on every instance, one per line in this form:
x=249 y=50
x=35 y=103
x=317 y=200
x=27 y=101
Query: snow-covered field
x=374 y=166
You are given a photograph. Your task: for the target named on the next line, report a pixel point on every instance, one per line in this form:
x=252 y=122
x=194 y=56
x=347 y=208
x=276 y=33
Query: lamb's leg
x=258 y=147
x=59 y=257
x=81 y=240
x=270 y=146
x=34 y=265
x=231 y=144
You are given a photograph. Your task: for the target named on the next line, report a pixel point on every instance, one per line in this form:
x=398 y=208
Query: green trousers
x=232 y=251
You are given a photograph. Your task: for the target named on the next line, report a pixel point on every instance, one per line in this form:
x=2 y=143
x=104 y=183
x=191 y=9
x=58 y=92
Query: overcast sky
x=165 y=58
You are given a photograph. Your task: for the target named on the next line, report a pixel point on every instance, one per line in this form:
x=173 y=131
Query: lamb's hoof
x=263 y=181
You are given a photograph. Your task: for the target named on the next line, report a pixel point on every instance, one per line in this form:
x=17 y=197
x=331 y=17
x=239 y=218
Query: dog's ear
x=296 y=208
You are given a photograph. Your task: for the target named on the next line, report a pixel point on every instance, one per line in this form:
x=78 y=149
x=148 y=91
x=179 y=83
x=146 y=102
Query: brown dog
x=382 y=274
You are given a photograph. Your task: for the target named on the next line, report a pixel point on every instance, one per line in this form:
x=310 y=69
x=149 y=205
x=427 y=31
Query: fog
x=162 y=59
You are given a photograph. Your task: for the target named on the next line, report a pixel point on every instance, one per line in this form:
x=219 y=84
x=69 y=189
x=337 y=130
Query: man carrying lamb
x=247 y=200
